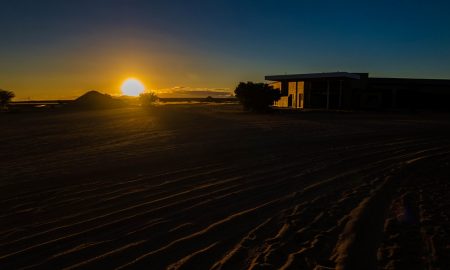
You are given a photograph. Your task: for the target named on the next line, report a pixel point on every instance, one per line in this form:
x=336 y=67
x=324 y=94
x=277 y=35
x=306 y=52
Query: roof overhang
x=313 y=76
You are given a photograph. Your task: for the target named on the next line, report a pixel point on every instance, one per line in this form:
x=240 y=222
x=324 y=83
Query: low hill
x=96 y=100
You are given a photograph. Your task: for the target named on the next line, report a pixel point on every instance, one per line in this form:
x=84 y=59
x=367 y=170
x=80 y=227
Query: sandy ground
x=210 y=187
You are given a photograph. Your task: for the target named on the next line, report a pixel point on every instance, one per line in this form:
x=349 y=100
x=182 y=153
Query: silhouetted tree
x=148 y=99
x=5 y=98
x=256 y=96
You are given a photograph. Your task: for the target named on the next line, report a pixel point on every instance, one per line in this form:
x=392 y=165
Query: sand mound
x=96 y=100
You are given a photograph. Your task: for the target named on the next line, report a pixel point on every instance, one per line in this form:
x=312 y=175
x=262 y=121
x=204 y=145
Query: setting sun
x=132 y=87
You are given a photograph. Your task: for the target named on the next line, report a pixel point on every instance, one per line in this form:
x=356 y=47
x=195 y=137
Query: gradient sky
x=60 y=49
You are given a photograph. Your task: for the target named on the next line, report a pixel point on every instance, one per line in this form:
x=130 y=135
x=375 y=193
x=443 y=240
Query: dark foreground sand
x=210 y=187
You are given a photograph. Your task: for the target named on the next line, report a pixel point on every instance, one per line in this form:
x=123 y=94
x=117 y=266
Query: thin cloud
x=186 y=91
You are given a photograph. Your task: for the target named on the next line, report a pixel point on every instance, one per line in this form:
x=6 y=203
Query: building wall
x=337 y=93
x=282 y=102
x=292 y=94
x=412 y=93
x=365 y=93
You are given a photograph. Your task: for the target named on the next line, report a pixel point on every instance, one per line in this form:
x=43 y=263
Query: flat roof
x=311 y=76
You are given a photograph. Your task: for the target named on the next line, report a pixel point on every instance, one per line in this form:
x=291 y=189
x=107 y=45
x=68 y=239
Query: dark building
x=344 y=90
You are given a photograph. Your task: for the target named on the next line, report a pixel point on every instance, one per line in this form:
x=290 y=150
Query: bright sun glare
x=132 y=87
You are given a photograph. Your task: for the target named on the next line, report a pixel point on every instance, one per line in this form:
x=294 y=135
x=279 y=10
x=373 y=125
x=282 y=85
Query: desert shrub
x=5 y=98
x=256 y=96
x=148 y=99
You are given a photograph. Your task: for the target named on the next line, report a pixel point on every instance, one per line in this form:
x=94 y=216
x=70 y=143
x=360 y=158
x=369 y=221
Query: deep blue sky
x=61 y=48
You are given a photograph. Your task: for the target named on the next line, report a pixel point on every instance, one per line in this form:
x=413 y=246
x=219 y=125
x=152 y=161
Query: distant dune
x=211 y=187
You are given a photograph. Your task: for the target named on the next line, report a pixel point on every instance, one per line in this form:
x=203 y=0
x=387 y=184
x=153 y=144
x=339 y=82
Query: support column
x=328 y=94
x=394 y=98
x=308 y=100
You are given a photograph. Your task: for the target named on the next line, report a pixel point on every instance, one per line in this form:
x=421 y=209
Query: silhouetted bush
x=5 y=98
x=256 y=96
x=148 y=99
